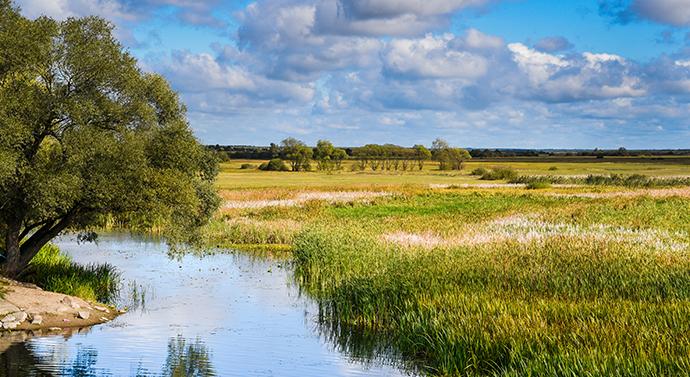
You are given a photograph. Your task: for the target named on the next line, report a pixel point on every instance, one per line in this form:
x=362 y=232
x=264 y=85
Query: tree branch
x=42 y=236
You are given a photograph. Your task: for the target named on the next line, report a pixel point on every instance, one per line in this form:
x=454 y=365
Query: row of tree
x=251 y=152
x=371 y=156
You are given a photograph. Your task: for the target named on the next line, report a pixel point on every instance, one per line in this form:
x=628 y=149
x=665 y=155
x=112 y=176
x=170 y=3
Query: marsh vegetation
x=590 y=276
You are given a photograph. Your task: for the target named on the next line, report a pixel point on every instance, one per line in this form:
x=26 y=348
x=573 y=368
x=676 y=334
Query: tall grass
x=634 y=180
x=54 y=271
x=560 y=306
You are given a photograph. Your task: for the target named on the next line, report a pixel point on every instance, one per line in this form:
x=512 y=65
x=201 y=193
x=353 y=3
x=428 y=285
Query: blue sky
x=479 y=73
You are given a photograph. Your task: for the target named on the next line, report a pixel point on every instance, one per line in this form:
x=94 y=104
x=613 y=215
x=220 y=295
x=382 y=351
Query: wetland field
x=505 y=268
x=462 y=276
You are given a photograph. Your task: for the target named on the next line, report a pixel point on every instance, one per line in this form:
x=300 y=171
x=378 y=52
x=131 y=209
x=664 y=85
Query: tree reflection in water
x=185 y=359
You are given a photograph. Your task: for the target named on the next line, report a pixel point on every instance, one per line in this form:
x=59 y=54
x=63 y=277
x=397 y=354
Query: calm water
x=218 y=315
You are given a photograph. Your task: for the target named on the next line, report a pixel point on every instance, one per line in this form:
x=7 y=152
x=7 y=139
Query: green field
x=232 y=177
x=505 y=281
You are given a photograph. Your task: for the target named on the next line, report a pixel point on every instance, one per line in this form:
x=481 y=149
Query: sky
x=478 y=73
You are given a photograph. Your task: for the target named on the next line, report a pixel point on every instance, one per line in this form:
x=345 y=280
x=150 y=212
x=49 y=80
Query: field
x=233 y=178
x=458 y=276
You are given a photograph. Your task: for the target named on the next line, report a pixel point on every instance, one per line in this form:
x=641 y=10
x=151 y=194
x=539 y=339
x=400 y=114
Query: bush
x=553 y=168
x=54 y=271
x=275 y=164
x=633 y=181
x=247 y=166
x=479 y=171
x=496 y=174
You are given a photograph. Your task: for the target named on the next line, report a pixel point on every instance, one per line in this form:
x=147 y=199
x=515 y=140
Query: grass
x=562 y=304
x=504 y=281
x=54 y=271
x=634 y=180
x=233 y=177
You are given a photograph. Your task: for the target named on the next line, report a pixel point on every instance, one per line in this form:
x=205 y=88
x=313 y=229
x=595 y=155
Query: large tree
x=86 y=136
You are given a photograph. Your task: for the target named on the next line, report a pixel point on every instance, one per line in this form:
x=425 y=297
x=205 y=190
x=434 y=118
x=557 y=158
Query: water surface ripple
x=217 y=315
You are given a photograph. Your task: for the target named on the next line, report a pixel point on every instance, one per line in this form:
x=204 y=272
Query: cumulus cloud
x=191 y=12
x=587 y=76
x=431 y=57
x=388 y=17
x=210 y=84
x=284 y=35
x=323 y=68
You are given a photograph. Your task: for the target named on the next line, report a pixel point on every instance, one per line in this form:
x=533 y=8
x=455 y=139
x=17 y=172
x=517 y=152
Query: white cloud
x=539 y=66
x=62 y=9
x=431 y=57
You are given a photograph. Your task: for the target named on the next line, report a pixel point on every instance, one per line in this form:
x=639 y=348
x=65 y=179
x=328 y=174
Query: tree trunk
x=13 y=265
x=19 y=254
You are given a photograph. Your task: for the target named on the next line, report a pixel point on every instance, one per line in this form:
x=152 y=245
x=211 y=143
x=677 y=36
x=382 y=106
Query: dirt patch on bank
x=27 y=307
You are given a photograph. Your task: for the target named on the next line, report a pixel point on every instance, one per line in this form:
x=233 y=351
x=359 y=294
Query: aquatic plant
x=55 y=271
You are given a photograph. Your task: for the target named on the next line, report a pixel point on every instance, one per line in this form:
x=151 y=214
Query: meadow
x=461 y=276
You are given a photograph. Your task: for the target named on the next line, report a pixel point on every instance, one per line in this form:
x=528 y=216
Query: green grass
x=635 y=180
x=503 y=282
x=233 y=177
x=564 y=306
x=54 y=271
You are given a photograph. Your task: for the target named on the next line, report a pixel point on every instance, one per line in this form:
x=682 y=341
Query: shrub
x=553 y=168
x=479 y=171
x=54 y=271
x=496 y=174
x=247 y=166
x=275 y=164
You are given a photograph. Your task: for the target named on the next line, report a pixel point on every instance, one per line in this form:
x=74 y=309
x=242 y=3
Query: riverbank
x=28 y=307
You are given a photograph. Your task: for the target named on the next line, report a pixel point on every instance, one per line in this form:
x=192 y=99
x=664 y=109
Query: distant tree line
x=249 y=152
x=327 y=157
x=596 y=152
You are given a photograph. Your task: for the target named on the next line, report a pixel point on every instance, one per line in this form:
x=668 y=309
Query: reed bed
x=562 y=306
x=491 y=279
x=506 y=282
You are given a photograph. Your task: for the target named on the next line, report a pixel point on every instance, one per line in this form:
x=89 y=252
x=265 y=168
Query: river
x=225 y=314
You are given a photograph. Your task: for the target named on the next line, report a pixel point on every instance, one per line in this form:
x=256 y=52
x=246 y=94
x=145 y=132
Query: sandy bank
x=27 y=307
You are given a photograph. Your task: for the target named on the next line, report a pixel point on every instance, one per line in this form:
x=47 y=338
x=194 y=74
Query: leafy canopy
x=86 y=136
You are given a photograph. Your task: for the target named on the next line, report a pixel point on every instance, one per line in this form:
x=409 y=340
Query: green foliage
x=422 y=155
x=275 y=164
x=54 y=271
x=297 y=153
x=479 y=171
x=449 y=158
x=85 y=134
x=507 y=174
x=247 y=166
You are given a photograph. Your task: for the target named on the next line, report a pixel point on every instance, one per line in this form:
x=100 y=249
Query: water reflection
x=225 y=315
x=186 y=358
